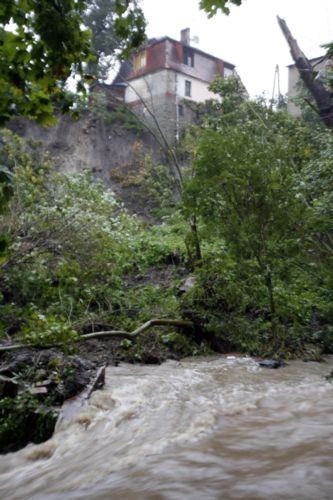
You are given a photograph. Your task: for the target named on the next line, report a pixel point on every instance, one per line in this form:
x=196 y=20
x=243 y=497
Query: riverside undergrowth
x=260 y=188
x=76 y=260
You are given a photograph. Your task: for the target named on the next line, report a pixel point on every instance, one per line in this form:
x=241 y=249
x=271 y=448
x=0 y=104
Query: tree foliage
x=116 y=28
x=213 y=6
x=41 y=44
x=254 y=172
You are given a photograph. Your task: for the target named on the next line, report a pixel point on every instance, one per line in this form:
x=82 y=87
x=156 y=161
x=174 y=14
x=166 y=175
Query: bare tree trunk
x=321 y=96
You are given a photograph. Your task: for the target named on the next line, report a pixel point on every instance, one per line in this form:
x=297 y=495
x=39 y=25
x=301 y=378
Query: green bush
x=24 y=419
x=48 y=330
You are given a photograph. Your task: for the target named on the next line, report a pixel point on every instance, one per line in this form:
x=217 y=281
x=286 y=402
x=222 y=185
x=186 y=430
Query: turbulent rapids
x=213 y=428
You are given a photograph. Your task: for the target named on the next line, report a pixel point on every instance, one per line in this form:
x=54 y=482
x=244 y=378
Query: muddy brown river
x=213 y=428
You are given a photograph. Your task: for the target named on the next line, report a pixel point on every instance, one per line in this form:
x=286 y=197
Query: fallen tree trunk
x=114 y=333
x=140 y=329
x=321 y=96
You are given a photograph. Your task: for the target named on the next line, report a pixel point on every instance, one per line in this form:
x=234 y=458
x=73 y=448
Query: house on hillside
x=163 y=75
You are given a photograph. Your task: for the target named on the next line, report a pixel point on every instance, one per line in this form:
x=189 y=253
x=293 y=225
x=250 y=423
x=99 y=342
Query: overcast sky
x=249 y=37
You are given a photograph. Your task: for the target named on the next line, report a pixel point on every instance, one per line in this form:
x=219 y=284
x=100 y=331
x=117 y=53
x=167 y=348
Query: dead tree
x=321 y=96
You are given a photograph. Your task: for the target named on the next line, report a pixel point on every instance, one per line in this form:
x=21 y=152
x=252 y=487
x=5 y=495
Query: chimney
x=185 y=36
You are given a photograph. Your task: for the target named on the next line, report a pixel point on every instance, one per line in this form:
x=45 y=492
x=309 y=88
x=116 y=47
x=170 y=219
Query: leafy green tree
x=247 y=188
x=316 y=188
x=116 y=28
x=41 y=44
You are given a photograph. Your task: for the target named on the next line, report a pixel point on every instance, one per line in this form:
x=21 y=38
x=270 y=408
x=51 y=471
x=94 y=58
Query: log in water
x=213 y=428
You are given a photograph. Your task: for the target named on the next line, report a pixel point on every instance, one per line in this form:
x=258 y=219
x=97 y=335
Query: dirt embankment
x=107 y=149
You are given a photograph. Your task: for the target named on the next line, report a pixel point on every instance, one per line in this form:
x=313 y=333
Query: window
x=188 y=56
x=139 y=61
x=228 y=72
x=180 y=110
x=188 y=88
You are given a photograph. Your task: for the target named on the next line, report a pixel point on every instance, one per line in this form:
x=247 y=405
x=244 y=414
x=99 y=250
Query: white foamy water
x=217 y=428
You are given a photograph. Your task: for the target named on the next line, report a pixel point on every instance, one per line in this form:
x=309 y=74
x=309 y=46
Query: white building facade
x=166 y=75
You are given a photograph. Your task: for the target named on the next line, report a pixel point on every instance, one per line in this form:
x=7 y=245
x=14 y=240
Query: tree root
x=112 y=333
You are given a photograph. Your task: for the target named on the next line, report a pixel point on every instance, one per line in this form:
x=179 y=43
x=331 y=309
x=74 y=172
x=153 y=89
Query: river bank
x=35 y=383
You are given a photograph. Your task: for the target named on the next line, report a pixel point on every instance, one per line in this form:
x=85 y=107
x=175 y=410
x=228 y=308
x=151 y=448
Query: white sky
x=250 y=36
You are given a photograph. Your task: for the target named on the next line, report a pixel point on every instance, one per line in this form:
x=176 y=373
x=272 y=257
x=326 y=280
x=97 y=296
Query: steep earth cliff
x=107 y=149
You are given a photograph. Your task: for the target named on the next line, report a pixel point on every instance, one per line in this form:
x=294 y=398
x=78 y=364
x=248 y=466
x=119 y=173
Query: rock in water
x=272 y=363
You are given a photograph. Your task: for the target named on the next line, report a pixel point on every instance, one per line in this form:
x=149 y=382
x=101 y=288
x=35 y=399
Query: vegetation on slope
x=260 y=189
